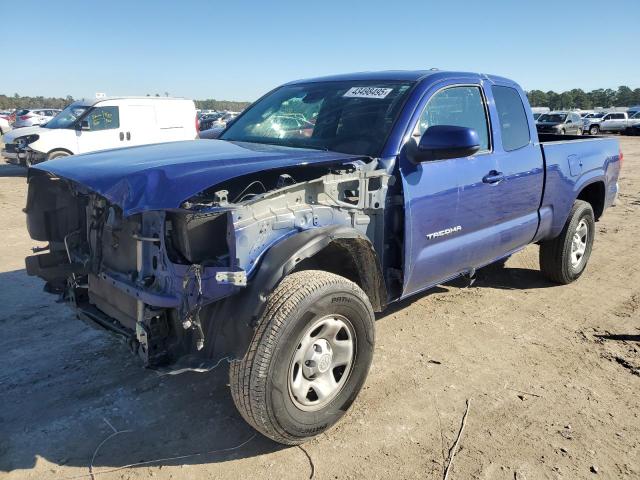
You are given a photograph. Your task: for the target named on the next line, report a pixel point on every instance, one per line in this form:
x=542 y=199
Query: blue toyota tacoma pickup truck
x=324 y=202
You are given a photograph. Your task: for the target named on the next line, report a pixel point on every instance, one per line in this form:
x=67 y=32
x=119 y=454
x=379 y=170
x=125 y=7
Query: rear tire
x=299 y=375
x=563 y=259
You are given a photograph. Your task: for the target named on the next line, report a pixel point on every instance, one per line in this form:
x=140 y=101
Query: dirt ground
x=552 y=374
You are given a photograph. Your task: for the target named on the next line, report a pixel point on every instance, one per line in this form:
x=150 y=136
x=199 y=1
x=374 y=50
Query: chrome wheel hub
x=579 y=244
x=322 y=362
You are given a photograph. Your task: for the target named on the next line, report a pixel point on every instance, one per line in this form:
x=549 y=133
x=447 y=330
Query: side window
x=103 y=118
x=513 y=118
x=458 y=106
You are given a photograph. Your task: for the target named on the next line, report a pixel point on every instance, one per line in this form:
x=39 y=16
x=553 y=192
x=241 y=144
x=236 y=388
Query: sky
x=238 y=49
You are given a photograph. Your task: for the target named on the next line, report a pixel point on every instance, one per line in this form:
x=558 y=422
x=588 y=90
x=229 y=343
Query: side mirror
x=442 y=142
x=84 y=126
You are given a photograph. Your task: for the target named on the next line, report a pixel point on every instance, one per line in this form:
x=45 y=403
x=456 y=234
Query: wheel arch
x=594 y=193
x=354 y=258
x=68 y=152
x=336 y=249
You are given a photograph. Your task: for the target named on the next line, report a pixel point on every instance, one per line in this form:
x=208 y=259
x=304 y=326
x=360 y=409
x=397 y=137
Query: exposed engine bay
x=156 y=278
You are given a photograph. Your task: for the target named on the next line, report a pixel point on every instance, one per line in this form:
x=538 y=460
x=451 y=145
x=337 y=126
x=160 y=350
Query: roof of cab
x=407 y=75
x=401 y=75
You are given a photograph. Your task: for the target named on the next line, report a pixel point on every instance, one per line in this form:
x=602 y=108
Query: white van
x=101 y=124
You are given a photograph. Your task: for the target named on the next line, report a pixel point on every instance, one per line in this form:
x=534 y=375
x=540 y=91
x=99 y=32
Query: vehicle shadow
x=508 y=278
x=9 y=170
x=67 y=389
x=492 y=276
x=619 y=337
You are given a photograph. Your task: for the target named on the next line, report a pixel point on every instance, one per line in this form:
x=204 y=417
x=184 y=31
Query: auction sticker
x=367 y=92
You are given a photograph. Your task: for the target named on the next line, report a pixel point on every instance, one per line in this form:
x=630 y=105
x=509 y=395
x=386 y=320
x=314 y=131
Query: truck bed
x=571 y=163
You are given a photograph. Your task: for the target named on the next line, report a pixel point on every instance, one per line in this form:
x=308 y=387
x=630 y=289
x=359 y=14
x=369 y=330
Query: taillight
x=197 y=125
x=621 y=157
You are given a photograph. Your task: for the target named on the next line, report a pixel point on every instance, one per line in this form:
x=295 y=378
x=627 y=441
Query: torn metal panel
x=355 y=199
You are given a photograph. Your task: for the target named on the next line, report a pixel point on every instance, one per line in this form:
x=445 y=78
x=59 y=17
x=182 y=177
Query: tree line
x=19 y=102
x=221 y=105
x=577 y=98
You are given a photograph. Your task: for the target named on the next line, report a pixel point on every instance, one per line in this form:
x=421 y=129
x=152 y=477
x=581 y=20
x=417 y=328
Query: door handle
x=493 y=177
x=121 y=136
x=128 y=135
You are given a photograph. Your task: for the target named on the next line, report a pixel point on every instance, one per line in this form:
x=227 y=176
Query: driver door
x=450 y=204
x=100 y=130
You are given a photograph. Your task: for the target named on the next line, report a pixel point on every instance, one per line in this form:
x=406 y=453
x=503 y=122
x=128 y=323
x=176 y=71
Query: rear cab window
x=514 y=125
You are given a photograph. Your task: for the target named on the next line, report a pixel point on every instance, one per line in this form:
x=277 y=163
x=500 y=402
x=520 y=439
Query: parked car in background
x=227 y=117
x=212 y=133
x=536 y=116
x=537 y=111
x=273 y=252
x=634 y=129
x=34 y=117
x=206 y=121
x=101 y=124
x=561 y=123
x=211 y=127
x=591 y=123
x=618 y=122
x=9 y=116
x=633 y=111
x=5 y=126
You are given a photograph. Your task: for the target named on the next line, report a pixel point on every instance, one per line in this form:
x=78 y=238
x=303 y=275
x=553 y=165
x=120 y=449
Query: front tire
x=594 y=130
x=308 y=359
x=564 y=258
x=57 y=154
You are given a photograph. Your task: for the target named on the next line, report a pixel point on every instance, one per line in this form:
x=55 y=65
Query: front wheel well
x=594 y=194
x=354 y=259
x=61 y=150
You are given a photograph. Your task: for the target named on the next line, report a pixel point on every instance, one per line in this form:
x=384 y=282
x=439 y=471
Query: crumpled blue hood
x=162 y=176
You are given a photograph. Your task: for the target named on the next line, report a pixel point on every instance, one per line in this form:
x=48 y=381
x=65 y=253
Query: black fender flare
x=240 y=313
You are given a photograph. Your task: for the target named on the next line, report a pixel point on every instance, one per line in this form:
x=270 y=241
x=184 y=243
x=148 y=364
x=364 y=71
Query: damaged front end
x=167 y=281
